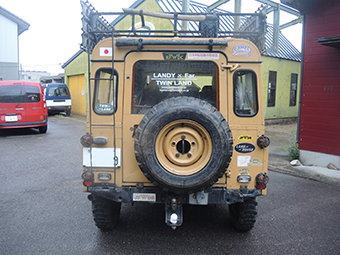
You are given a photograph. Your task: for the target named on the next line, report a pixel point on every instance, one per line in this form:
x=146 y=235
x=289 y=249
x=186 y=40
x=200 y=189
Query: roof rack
x=95 y=27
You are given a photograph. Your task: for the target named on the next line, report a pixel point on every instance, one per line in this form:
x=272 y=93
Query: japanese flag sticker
x=105 y=52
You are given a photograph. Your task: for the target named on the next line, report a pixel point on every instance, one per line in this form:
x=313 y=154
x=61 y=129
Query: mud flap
x=173 y=212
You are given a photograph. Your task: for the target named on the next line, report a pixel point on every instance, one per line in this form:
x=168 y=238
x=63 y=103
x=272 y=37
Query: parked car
x=58 y=98
x=22 y=105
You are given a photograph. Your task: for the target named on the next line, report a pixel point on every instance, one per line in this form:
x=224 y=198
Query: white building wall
x=8 y=41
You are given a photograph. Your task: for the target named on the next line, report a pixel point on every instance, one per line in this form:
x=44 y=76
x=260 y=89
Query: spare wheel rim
x=183 y=147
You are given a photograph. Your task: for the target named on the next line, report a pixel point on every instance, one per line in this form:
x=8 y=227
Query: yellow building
x=280 y=69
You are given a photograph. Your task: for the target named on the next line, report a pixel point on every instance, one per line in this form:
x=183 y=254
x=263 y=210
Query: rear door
x=34 y=104
x=12 y=104
x=155 y=78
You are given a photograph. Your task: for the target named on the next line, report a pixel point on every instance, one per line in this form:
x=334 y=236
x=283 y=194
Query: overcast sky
x=54 y=35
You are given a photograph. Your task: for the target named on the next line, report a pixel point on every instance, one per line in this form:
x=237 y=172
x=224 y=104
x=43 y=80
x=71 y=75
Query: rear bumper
x=58 y=108
x=23 y=124
x=215 y=195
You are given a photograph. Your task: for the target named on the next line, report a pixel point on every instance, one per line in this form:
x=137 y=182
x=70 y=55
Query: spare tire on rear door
x=183 y=144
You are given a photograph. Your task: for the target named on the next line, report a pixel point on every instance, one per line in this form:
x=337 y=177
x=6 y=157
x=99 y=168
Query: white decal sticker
x=203 y=55
x=147 y=197
x=174 y=82
x=105 y=52
x=243 y=160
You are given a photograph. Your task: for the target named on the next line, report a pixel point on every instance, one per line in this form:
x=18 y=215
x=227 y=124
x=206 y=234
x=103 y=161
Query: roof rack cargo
x=95 y=27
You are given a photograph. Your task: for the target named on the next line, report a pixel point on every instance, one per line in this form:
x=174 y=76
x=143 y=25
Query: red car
x=22 y=105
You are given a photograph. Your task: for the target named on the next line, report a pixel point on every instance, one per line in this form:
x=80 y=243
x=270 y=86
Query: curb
x=302 y=172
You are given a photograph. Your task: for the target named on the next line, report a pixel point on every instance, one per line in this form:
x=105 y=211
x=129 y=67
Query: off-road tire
x=199 y=124
x=105 y=213
x=243 y=215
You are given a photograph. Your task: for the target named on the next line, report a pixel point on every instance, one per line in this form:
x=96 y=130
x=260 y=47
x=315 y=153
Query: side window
x=32 y=94
x=271 y=88
x=154 y=81
x=105 y=91
x=245 y=93
x=293 y=89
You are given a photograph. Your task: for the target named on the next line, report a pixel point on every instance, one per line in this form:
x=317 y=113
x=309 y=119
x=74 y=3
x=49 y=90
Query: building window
x=271 y=88
x=293 y=89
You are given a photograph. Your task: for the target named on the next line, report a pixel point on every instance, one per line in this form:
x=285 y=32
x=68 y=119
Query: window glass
x=293 y=89
x=19 y=94
x=156 y=80
x=12 y=94
x=58 y=92
x=245 y=93
x=105 y=91
x=272 y=88
x=32 y=94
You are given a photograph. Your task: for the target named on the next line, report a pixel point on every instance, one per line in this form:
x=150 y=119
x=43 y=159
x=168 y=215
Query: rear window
x=19 y=94
x=58 y=92
x=156 y=80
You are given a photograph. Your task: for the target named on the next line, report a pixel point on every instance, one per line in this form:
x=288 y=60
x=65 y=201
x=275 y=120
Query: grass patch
x=293 y=149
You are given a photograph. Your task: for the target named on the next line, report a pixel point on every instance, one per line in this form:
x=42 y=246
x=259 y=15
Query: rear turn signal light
x=263 y=141
x=86 y=140
x=261 y=181
x=87 y=176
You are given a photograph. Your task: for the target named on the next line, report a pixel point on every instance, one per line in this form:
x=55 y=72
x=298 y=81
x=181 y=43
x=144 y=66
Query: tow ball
x=173 y=212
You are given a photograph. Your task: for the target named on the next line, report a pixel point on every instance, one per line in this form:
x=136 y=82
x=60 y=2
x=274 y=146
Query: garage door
x=77 y=89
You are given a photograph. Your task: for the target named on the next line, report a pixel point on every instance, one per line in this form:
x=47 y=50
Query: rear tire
x=105 y=213
x=243 y=215
x=43 y=129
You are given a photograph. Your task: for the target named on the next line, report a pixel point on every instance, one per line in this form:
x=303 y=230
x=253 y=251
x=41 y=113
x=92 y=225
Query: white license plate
x=144 y=197
x=11 y=118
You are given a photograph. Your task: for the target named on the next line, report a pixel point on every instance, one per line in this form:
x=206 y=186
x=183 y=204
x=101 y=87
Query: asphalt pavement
x=44 y=211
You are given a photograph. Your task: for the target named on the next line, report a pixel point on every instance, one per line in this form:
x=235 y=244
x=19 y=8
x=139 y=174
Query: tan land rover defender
x=173 y=120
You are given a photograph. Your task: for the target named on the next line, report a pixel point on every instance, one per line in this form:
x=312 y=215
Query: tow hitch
x=173 y=212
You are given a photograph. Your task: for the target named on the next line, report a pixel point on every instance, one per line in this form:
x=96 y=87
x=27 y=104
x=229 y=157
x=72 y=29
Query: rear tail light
x=87 y=183
x=261 y=181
